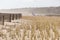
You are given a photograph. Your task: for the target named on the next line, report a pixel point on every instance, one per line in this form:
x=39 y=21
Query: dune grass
x=34 y=28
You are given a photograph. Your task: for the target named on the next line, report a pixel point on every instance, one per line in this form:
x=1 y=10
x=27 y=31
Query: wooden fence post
x=20 y=16
x=10 y=18
x=3 y=20
x=16 y=16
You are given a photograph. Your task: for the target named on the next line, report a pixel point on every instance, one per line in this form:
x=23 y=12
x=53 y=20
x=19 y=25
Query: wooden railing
x=9 y=16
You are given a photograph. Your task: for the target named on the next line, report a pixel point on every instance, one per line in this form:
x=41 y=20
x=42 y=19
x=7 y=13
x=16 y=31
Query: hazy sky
x=27 y=3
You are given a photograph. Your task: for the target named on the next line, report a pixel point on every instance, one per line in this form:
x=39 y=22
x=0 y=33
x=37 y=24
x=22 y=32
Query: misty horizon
x=11 y=4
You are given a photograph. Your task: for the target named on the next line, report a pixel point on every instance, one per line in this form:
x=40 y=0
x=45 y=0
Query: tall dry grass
x=33 y=28
x=48 y=26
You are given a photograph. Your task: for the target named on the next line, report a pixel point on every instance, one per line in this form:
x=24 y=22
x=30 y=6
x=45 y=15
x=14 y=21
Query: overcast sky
x=27 y=3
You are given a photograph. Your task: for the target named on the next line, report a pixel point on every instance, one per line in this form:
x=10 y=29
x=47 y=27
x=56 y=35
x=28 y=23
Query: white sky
x=27 y=3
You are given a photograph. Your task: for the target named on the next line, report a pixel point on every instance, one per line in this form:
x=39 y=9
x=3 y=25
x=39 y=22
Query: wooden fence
x=9 y=16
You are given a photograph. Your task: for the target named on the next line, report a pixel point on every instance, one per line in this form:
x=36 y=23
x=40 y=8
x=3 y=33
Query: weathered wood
x=16 y=16
x=10 y=18
x=19 y=16
x=2 y=20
